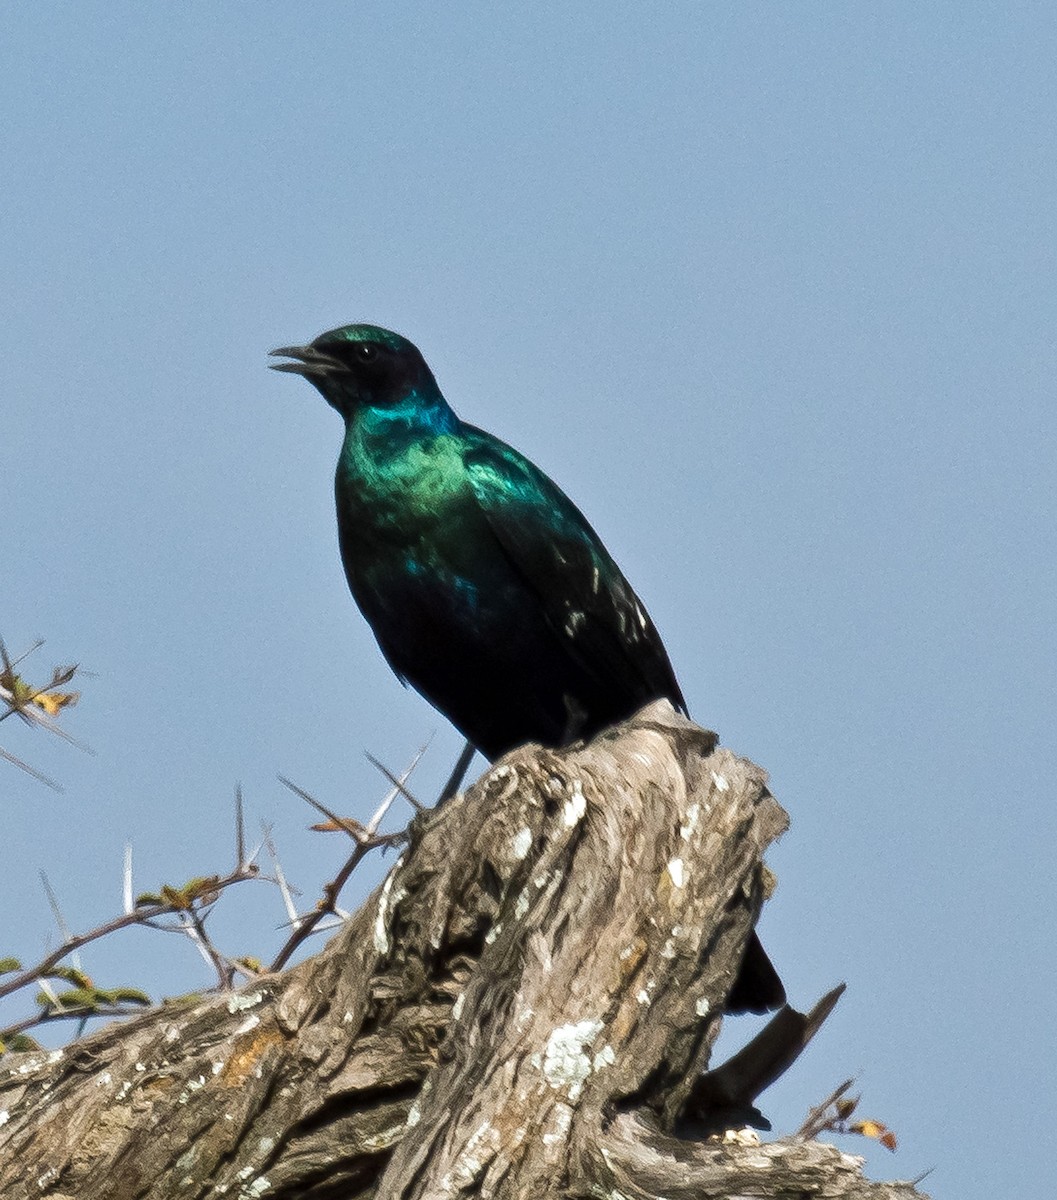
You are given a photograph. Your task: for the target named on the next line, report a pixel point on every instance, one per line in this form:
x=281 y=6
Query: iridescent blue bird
x=485 y=586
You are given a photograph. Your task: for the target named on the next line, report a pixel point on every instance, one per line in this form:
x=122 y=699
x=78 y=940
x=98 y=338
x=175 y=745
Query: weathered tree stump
x=523 y=1009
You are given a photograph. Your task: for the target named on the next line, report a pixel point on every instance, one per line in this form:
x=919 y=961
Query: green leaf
x=124 y=996
x=72 y=998
x=20 y=1043
x=71 y=975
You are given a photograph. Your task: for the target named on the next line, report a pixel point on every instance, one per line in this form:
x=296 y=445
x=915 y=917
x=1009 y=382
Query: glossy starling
x=485 y=586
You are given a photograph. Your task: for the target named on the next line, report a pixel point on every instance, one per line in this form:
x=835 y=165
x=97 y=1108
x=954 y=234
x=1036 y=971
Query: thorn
x=394 y=791
x=37 y=775
x=60 y=920
x=251 y=862
x=45 y=986
x=397 y=783
x=187 y=926
x=240 y=828
x=349 y=827
x=280 y=878
x=11 y=663
x=127 y=901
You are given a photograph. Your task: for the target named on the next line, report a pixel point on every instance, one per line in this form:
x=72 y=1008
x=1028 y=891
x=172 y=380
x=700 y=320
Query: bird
x=486 y=588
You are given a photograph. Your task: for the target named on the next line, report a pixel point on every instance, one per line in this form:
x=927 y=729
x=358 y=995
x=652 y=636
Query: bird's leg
x=462 y=765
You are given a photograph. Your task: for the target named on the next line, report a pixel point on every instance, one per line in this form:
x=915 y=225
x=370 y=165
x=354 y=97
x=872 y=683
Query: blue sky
x=769 y=289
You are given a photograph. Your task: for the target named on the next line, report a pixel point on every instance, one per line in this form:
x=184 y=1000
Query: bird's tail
x=758 y=988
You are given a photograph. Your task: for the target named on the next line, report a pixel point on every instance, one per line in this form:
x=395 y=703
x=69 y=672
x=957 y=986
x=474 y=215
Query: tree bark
x=523 y=1009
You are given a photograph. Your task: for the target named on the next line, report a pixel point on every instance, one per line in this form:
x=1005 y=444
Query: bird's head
x=362 y=366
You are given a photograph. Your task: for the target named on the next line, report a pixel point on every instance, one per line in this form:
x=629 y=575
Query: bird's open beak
x=311 y=363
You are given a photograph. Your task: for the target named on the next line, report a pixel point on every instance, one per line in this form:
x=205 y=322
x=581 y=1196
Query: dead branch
x=524 y=1008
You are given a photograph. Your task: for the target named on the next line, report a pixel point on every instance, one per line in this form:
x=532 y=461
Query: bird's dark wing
x=587 y=602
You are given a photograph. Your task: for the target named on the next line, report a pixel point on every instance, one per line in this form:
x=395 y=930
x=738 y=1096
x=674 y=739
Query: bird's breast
x=397 y=494
x=412 y=534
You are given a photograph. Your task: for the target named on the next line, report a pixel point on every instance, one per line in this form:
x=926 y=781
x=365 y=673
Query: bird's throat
x=396 y=475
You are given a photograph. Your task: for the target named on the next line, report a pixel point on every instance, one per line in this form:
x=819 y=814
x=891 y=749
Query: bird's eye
x=366 y=353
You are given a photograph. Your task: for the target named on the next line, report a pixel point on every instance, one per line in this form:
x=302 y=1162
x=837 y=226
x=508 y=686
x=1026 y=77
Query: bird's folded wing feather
x=585 y=597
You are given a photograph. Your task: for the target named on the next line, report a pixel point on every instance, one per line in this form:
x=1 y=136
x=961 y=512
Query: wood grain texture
x=521 y=1010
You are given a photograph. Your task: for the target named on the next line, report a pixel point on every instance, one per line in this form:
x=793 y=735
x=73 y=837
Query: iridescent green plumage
x=487 y=589
x=485 y=586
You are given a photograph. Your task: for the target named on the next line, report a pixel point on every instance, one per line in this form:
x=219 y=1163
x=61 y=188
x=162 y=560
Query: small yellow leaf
x=343 y=825
x=54 y=702
x=874 y=1129
x=870 y=1129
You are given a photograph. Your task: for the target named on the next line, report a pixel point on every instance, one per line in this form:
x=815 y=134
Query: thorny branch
x=35 y=705
x=190 y=906
x=366 y=838
x=194 y=900
x=831 y=1116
